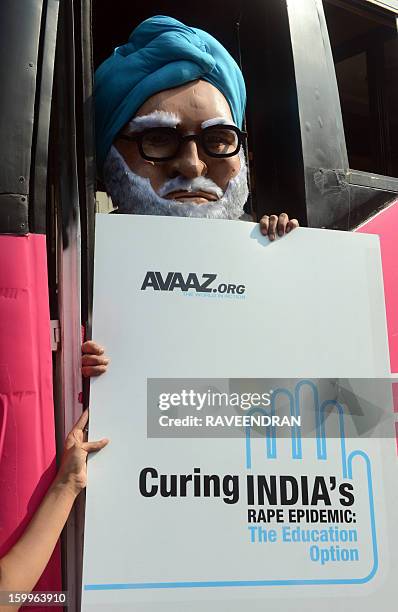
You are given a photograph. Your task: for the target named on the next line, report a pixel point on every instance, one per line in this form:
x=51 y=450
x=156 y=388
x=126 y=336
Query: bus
x=322 y=123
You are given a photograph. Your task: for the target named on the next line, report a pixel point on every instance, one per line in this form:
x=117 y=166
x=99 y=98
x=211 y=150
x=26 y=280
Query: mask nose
x=188 y=163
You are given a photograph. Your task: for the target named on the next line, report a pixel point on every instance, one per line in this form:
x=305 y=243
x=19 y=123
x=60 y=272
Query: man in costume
x=169 y=108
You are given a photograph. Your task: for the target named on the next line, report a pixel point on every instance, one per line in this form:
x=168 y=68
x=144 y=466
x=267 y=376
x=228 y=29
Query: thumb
x=91 y=447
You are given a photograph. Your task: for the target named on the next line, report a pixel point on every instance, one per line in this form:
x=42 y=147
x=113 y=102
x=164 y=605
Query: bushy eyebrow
x=155 y=119
x=216 y=121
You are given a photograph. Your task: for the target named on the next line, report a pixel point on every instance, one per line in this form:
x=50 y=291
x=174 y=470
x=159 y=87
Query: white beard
x=133 y=194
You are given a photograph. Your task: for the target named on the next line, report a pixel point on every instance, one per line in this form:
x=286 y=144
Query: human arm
x=23 y=565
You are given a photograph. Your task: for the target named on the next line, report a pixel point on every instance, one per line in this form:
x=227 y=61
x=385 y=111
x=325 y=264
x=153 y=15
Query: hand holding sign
x=94 y=362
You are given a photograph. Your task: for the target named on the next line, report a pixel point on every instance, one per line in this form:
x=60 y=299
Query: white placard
x=312 y=307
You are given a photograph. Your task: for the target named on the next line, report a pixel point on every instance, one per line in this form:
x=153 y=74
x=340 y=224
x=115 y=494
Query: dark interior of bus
x=364 y=46
x=365 y=53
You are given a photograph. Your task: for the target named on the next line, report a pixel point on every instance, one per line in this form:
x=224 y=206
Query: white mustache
x=199 y=183
x=133 y=194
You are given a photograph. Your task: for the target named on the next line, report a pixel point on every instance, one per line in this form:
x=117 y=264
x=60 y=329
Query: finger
x=82 y=421
x=292 y=224
x=88 y=371
x=273 y=220
x=92 y=447
x=282 y=223
x=75 y=436
x=264 y=223
x=88 y=360
x=92 y=348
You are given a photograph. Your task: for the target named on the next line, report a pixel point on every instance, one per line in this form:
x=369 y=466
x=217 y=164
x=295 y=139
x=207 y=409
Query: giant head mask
x=169 y=113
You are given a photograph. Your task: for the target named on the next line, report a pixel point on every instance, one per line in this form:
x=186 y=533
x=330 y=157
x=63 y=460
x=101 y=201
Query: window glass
x=391 y=85
x=365 y=52
x=352 y=77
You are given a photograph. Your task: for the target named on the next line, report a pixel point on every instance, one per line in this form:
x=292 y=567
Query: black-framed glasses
x=164 y=143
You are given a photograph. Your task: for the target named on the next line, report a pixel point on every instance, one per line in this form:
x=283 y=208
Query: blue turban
x=161 y=53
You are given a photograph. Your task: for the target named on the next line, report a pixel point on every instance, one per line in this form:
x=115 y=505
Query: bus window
x=391 y=85
x=257 y=36
x=365 y=52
